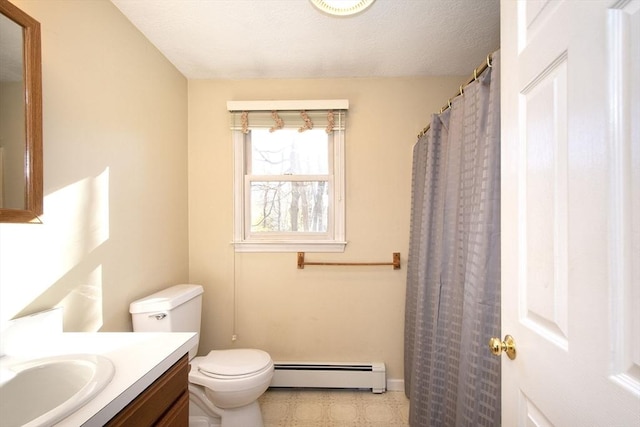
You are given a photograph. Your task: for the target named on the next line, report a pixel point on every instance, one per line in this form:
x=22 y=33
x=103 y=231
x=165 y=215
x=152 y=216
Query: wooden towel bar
x=395 y=263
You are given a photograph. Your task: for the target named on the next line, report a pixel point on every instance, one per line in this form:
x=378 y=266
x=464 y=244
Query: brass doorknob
x=508 y=346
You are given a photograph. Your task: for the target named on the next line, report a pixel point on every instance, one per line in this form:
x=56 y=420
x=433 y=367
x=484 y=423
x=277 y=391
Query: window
x=289 y=175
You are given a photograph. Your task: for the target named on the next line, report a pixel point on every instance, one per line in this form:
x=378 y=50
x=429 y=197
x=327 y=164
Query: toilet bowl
x=228 y=383
x=232 y=378
x=224 y=385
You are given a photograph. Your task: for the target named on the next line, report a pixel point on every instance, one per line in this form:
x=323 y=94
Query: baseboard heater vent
x=330 y=375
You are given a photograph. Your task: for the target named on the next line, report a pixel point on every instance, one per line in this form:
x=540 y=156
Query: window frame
x=331 y=241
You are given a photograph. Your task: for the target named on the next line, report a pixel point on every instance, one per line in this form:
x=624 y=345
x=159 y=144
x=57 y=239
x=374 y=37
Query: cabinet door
x=178 y=414
x=165 y=402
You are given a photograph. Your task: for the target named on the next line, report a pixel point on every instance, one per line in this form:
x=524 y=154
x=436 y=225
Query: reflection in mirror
x=12 y=120
x=21 y=197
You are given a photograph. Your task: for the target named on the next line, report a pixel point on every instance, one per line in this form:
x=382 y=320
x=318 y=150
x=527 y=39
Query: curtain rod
x=476 y=73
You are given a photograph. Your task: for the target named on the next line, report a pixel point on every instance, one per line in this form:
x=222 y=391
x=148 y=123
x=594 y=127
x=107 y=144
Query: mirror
x=21 y=195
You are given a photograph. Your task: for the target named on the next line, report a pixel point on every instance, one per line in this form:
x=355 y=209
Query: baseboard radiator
x=330 y=375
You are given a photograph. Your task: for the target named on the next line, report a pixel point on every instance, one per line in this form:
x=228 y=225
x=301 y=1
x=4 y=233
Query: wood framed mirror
x=21 y=170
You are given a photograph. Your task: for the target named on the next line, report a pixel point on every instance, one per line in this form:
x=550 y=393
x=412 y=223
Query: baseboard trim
x=395 y=385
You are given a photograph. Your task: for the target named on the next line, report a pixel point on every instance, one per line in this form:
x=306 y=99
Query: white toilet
x=224 y=386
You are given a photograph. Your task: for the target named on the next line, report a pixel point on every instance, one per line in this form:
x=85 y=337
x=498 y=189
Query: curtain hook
x=449 y=102
x=475 y=74
x=489 y=61
x=461 y=91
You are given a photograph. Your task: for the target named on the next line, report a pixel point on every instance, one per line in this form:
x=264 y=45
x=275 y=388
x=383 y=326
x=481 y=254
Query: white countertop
x=139 y=359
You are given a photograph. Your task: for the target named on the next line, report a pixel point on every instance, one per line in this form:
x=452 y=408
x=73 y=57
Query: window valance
x=302 y=115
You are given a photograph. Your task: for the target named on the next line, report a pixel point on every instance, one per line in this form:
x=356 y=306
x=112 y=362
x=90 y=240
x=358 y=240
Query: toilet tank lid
x=166 y=299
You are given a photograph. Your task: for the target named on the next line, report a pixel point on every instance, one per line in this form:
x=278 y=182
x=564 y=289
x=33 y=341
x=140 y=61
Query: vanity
x=150 y=380
x=150 y=384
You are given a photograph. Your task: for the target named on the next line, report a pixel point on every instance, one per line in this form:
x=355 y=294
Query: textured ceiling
x=208 y=39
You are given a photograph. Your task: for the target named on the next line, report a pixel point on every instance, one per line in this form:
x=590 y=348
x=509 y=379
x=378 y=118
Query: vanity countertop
x=139 y=359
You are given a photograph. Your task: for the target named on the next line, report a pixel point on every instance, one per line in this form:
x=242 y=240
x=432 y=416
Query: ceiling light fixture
x=342 y=7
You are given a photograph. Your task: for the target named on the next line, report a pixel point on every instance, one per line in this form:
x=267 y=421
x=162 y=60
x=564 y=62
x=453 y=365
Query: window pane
x=285 y=206
x=289 y=152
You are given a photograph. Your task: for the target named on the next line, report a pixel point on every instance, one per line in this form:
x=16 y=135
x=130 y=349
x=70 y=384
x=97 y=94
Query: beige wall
x=115 y=174
x=319 y=313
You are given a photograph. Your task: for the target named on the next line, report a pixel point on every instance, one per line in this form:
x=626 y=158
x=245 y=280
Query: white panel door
x=571 y=212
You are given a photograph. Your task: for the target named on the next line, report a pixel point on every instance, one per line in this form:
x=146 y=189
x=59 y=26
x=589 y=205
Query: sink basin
x=44 y=391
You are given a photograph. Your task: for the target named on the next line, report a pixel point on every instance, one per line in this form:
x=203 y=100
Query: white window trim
x=241 y=242
x=318 y=104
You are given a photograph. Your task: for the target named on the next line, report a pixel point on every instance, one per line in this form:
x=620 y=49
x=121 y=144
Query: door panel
x=543 y=119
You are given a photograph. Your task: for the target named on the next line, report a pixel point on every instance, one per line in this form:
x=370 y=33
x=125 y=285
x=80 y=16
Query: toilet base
x=242 y=417
x=203 y=421
x=245 y=416
x=202 y=413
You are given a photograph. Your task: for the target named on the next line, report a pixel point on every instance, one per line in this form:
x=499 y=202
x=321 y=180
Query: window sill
x=276 y=246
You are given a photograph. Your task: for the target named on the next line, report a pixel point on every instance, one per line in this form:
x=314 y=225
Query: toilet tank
x=175 y=309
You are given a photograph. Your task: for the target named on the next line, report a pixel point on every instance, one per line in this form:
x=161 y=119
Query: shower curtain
x=453 y=278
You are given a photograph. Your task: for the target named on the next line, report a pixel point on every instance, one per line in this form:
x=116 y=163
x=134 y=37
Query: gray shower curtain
x=453 y=269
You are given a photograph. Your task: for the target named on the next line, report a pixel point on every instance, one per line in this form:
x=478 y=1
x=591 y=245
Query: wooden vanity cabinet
x=164 y=403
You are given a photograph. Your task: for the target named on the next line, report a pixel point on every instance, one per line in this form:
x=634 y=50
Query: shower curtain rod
x=476 y=73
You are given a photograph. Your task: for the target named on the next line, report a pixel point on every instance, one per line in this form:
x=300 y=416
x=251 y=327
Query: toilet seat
x=234 y=364
x=227 y=375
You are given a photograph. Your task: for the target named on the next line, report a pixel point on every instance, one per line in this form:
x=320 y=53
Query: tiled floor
x=333 y=408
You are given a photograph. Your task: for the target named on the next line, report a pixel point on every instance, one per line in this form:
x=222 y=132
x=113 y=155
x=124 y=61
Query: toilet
x=224 y=385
